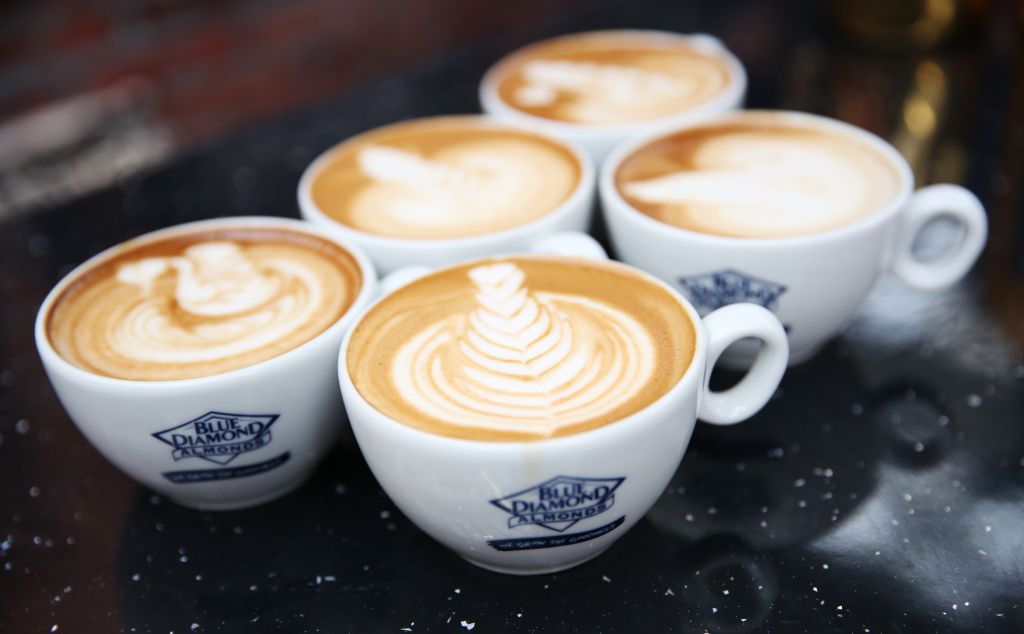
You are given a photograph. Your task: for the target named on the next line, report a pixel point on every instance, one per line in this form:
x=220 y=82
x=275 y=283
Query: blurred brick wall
x=215 y=66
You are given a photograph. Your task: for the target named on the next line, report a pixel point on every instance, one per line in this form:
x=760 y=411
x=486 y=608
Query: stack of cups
x=520 y=397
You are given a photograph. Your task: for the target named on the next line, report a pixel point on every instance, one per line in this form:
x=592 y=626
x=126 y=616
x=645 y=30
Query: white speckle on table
x=908 y=497
x=459 y=590
x=973 y=400
x=467 y=625
x=689 y=516
x=799 y=482
x=332 y=579
x=605 y=579
x=725 y=592
x=194 y=627
x=54 y=628
x=714 y=610
x=982 y=552
x=22 y=426
x=253 y=588
x=824 y=566
x=712 y=510
x=519 y=615
x=669 y=593
x=385 y=514
x=988 y=529
x=136 y=577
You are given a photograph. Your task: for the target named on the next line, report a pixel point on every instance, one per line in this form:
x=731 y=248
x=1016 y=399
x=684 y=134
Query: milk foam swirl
x=754 y=183
x=447 y=177
x=215 y=306
x=588 y=92
x=530 y=363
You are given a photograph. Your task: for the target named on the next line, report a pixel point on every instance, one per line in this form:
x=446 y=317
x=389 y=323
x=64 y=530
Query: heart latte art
x=444 y=178
x=203 y=304
x=606 y=79
x=758 y=175
x=513 y=349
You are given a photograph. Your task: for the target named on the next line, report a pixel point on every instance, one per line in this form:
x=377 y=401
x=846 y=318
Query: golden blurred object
x=907 y=24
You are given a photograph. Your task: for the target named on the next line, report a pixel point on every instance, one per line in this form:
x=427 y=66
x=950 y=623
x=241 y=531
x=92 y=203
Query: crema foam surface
x=609 y=79
x=758 y=176
x=437 y=179
x=202 y=304
x=521 y=348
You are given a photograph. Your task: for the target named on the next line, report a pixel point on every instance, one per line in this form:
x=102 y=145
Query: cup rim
x=687 y=381
x=613 y=202
x=52 y=359
x=732 y=95
x=585 y=187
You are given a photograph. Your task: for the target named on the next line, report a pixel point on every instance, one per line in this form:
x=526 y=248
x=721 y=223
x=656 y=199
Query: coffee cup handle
x=572 y=243
x=726 y=326
x=926 y=205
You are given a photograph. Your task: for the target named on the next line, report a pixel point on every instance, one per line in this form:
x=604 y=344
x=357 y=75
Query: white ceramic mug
x=392 y=253
x=281 y=414
x=473 y=496
x=812 y=282
x=600 y=140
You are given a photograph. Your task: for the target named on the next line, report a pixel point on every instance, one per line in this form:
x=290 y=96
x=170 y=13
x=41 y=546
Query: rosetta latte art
x=530 y=363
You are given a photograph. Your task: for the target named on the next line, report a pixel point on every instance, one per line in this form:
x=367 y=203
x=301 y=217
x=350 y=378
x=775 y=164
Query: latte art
x=604 y=79
x=200 y=308
x=757 y=177
x=508 y=360
x=444 y=179
x=527 y=363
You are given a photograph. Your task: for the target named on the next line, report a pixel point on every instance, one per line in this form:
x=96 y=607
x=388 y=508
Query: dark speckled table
x=882 y=490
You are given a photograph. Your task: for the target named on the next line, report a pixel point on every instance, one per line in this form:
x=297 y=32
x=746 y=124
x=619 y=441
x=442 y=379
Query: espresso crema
x=609 y=78
x=448 y=177
x=201 y=304
x=521 y=348
x=758 y=175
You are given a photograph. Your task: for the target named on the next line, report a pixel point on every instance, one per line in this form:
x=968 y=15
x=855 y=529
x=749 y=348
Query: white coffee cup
x=461 y=492
x=287 y=407
x=391 y=253
x=812 y=282
x=600 y=140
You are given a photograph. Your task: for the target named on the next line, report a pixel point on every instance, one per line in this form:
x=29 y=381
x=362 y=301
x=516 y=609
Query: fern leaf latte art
x=521 y=348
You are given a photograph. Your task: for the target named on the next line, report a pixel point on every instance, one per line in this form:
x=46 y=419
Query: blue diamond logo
x=560 y=502
x=710 y=291
x=218 y=437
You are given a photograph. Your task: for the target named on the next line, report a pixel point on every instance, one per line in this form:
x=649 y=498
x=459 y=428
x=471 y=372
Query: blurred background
x=93 y=91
